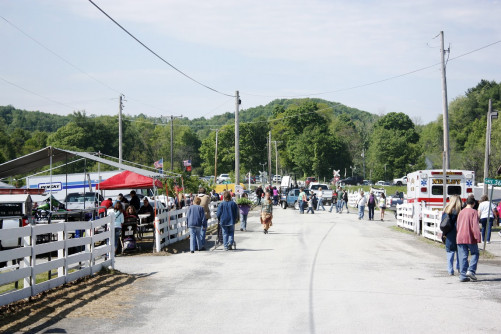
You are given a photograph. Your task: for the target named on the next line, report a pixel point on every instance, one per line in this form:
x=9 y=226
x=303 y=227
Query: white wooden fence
x=410 y=217
x=89 y=254
x=171 y=226
x=431 y=224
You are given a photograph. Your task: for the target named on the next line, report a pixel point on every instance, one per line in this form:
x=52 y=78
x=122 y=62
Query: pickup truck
x=327 y=193
x=289 y=199
x=401 y=181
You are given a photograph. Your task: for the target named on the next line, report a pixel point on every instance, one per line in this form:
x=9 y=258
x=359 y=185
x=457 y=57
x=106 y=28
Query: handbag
x=446 y=224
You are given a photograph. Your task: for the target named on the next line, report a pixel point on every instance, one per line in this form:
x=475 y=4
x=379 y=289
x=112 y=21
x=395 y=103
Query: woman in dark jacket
x=452 y=209
x=228 y=215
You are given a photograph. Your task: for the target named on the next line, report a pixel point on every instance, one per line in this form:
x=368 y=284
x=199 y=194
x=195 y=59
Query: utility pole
x=237 y=141
x=120 y=107
x=490 y=115
x=276 y=157
x=269 y=157
x=215 y=159
x=445 y=104
x=172 y=141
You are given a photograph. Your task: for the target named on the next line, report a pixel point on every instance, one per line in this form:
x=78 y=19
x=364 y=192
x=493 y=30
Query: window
x=437 y=190
x=11 y=209
x=454 y=190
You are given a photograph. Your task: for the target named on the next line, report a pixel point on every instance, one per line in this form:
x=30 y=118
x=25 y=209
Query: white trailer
x=63 y=184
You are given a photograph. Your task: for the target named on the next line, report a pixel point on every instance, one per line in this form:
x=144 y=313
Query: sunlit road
x=322 y=273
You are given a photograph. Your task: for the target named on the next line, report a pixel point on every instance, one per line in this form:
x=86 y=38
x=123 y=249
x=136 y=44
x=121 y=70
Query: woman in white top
x=485 y=215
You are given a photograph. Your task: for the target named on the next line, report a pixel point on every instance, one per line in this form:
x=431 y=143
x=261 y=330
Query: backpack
x=446 y=224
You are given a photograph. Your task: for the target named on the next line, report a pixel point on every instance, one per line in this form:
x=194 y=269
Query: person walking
x=119 y=220
x=259 y=194
x=301 y=200
x=362 y=201
x=334 y=201
x=340 y=193
x=244 y=211
x=486 y=217
x=311 y=203
x=320 y=199
x=371 y=204
x=452 y=209
x=204 y=203
x=345 y=201
x=227 y=214
x=275 y=196
x=196 y=220
x=266 y=212
x=467 y=239
x=382 y=205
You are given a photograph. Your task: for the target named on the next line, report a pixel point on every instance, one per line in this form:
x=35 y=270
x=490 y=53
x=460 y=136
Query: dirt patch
x=105 y=295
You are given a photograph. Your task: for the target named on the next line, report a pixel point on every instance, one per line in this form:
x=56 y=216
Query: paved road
x=322 y=273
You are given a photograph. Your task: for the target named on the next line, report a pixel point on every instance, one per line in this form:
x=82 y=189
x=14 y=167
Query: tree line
x=313 y=137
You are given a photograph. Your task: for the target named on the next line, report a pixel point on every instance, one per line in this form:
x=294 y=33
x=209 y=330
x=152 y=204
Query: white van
x=14 y=212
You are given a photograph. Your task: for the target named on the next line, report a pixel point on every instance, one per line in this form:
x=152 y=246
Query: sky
x=60 y=56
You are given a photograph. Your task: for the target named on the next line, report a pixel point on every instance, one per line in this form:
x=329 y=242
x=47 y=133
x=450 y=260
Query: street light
x=262 y=174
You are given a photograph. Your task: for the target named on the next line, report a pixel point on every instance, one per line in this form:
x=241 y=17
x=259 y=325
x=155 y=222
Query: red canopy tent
x=128 y=180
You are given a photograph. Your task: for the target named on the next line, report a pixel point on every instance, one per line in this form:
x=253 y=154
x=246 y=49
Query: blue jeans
x=345 y=203
x=450 y=261
x=333 y=204
x=243 y=222
x=195 y=238
x=463 y=259
x=320 y=204
x=371 y=212
x=228 y=233
x=301 y=207
x=361 y=211
x=310 y=208
x=483 y=221
x=118 y=234
x=339 y=206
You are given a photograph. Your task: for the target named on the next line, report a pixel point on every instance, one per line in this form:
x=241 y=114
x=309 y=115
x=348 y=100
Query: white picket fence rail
x=420 y=219
x=431 y=224
x=405 y=216
x=171 y=226
x=92 y=252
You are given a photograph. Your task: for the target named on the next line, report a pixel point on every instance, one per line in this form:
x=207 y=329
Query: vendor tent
x=128 y=180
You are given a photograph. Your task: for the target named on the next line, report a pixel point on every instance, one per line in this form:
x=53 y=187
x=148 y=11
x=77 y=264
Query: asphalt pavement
x=321 y=273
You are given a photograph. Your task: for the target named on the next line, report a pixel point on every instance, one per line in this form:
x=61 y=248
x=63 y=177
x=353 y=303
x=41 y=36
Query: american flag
x=159 y=163
x=186 y=163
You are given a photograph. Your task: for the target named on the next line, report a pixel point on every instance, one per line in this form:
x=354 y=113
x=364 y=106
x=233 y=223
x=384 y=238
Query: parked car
x=223 y=178
x=277 y=178
x=81 y=201
x=367 y=183
x=291 y=199
x=309 y=180
x=252 y=179
x=327 y=193
x=351 y=180
x=382 y=183
x=401 y=181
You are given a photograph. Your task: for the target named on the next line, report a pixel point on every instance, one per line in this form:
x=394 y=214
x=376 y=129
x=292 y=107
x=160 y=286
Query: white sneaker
x=471 y=275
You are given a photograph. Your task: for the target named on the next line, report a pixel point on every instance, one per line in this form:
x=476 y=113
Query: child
x=310 y=204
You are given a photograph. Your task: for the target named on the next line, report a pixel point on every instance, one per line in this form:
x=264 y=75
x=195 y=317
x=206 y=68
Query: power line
x=377 y=81
x=158 y=56
x=36 y=94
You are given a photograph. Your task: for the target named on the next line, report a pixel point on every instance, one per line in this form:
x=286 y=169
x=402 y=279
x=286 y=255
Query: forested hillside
x=312 y=136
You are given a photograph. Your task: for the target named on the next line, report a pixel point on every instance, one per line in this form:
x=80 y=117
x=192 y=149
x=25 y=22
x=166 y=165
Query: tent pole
x=50 y=182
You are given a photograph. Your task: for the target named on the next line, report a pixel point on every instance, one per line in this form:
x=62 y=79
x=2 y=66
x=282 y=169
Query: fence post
x=156 y=232
x=61 y=254
x=111 y=239
x=27 y=261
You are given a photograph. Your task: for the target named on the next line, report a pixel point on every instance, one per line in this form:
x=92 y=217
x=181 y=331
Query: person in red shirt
x=468 y=237
x=107 y=203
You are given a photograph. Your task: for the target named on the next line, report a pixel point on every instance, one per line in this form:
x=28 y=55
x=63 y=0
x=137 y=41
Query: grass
x=42 y=277
x=485 y=255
